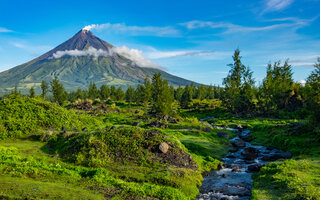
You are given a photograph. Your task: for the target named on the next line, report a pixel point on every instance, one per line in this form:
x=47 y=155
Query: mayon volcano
x=82 y=59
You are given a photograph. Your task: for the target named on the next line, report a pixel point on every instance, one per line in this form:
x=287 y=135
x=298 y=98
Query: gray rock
x=238 y=143
x=250 y=153
x=223 y=135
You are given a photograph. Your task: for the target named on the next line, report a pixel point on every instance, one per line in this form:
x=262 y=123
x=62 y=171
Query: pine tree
x=119 y=94
x=277 y=88
x=32 y=93
x=162 y=95
x=93 y=91
x=238 y=95
x=44 y=88
x=178 y=93
x=139 y=94
x=186 y=97
x=147 y=91
x=59 y=93
x=104 y=92
x=113 y=92
x=130 y=94
x=312 y=94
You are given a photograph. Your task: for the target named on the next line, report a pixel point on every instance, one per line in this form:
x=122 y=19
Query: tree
x=44 y=88
x=178 y=93
x=15 y=91
x=93 y=91
x=130 y=94
x=238 y=94
x=277 y=88
x=162 y=96
x=32 y=93
x=113 y=92
x=147 y=90
x=104 y=92
x=59 y=93
x=119 y=94
x=139 y=94
x=312 y=94
x=200 y=92
x=186 y=97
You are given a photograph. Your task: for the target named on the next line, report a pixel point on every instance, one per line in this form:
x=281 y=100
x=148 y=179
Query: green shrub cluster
x=22 y=116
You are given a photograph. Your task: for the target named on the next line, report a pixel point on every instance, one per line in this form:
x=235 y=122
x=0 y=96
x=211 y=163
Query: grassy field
x=50 y=152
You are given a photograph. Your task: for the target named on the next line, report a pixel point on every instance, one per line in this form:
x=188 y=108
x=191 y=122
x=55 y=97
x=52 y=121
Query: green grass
x=290 y=179
x=39 y=160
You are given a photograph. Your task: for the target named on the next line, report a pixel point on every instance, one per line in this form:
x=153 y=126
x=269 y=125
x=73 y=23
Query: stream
x=233 y=181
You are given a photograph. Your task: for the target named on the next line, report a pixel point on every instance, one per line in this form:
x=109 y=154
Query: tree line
x=277 y=94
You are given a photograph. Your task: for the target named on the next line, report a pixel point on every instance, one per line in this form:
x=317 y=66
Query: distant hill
x=82 y=59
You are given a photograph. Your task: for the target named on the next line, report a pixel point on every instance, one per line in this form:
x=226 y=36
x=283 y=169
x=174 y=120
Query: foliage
x=59 y=93
x=23 y=115
x=239 y=87
x=44 y=88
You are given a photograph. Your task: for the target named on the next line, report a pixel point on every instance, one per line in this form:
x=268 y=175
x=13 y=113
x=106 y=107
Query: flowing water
x=233 y=180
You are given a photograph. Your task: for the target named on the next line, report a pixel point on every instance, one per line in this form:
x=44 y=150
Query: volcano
x=82 y=59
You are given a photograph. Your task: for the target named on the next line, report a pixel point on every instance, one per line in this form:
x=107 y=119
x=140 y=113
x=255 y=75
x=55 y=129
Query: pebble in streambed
x=234 y=182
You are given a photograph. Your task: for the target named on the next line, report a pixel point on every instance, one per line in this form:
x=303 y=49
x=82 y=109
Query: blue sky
x=194 y=39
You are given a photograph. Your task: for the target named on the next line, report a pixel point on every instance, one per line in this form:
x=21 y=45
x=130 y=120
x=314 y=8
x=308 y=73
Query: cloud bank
x=134 y=55
x=88 y=52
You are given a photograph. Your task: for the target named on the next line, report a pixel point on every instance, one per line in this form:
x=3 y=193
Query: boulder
x=224 y=175
x=238 y=143
x=254 y=168
x=250 y=153
x=164 y=147
x=223 y=135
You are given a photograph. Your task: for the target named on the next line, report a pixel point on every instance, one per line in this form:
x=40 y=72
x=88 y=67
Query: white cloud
x=302 y=82
x=136 y=30
x=4 y=30
x=168 y=54
x=230 y=28
x=88 y=52
x=276 y=5
x=136 y=56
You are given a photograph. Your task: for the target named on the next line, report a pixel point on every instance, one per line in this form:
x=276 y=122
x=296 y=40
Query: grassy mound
x=22 y=116
x=122 y=144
